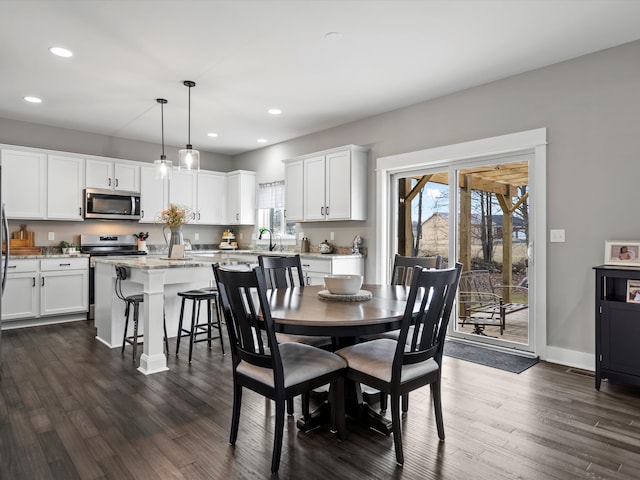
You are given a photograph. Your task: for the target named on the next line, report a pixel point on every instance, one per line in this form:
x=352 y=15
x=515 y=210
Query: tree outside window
x=271 y=212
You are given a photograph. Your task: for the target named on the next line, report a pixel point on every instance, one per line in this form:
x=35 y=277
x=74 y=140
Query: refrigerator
x=4 y=259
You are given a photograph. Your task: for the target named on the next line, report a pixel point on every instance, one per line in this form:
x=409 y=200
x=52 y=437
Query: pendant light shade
x=189 y=159
x=163 y=166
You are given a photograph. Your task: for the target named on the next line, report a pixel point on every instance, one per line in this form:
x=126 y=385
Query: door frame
x=528 y=142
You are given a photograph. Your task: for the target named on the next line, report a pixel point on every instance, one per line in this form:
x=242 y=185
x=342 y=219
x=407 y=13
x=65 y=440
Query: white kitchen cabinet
x=24 y=184
x=241 y=198
x=211 y=198
x=65 y=184
x=294 y=191
x=182 y=189
x=111 y=175
x=314 y=269
x=64 y=286
x=21 y=295
x=334 y=185
x=153 y=195
x=39 y=288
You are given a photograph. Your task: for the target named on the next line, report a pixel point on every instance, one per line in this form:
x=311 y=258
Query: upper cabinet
x=24 y=184
x=153 y=195
x=65 y=182
x=241 y=198
x=331 y=187
x=211 y=205
x=110 y=175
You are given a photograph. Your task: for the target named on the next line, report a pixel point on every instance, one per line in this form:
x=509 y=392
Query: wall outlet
x=557 y=236
x=332 y=237
x=196 y=236
x=240 y=236
x=52 y=236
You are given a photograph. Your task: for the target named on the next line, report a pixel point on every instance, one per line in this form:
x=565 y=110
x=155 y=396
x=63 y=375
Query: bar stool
x=135 y=301
x=210 y=295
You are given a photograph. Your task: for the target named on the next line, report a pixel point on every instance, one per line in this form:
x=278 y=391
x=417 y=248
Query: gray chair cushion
x=300 y=363
x=375 y=358
x=314 y=341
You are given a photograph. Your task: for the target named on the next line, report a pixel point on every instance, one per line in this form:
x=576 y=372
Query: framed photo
x=633 y=291
x=620 y=252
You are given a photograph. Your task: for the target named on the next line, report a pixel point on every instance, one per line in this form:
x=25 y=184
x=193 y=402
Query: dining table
x=308 y=310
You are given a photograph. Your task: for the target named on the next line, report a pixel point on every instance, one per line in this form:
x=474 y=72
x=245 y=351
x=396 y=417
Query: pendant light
x=163 y=166
x=189 y=159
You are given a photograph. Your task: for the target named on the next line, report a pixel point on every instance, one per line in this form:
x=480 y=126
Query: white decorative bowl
x=343 y=284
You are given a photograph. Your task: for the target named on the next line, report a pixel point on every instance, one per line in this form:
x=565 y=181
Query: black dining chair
x=403 y=267
x=397 y=367
x=277 y=371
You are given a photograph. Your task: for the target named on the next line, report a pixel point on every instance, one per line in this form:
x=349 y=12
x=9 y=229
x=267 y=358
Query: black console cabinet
x=617 y=326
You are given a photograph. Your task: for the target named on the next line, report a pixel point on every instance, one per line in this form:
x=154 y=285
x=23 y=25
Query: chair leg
x=180 y=325
x=289 y=406
x=218 y=315
x=279 y=431
x=136 y=310
x=166 y=337
x=195 y=313
x=235 y=418
x=338 y=408
x=126 y=325
x=405 y=403
x=397 y=428
x=383 y=402
x=305 y=404
x=437 y=406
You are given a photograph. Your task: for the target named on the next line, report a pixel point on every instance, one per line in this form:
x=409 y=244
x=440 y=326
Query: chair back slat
x=247 y=315
x=282 y=272
x=428 y=310
x=402 y=272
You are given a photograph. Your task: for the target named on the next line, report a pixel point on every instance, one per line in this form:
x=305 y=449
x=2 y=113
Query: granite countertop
x=47 y=255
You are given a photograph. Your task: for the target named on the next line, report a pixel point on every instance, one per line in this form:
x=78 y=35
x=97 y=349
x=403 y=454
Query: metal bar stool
x=210 y=295
x=135 y=300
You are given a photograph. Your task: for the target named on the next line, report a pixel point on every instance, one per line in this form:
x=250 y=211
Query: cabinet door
x=294 y=191
x=127 y=177
x=24 y=184
x=241 y=198
x=99 y=174
x=64 y=292
x=621 y=337
x=212 y=204
x=152 y=195
x=182 y=188
x=65 y=181
x=20 y=299
x=314 y=190
x=338 y=185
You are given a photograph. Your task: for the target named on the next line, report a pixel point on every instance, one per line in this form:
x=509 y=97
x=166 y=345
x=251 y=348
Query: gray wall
x=590 y=106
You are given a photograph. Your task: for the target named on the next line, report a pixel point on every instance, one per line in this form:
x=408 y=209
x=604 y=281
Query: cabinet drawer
x=19 y=266
x=313 y=265
x=64 y=264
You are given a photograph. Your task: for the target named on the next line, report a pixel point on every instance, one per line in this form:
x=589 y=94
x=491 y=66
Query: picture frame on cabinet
x=633 y=291
x=620 y=252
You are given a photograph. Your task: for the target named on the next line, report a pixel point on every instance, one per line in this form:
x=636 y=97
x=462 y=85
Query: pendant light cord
x=162 y=127
x=189 y=122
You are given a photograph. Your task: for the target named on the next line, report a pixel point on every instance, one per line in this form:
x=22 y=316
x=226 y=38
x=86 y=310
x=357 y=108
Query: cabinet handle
x=109 y=183
x=65 y=264
x=116 y=182
x=80 y=211
x=285 y=213
x=42 y=284
x=238 y=216
x=198 y=215
x=141 y=213
x=305 y=264
x=34 y=282
x=322 y=211
x=12 y=266
x=326 y=210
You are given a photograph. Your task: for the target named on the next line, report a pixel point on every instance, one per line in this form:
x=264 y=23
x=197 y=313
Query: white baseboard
x=570 y=358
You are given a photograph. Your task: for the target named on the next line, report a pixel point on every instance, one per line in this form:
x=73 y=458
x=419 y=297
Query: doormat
x=490 y=358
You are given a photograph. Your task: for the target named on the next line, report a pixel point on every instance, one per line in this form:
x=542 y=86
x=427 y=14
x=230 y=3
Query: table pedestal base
x=361 y=413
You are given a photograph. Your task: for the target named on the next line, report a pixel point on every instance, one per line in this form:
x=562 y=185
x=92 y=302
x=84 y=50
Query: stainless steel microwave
x=113 y=205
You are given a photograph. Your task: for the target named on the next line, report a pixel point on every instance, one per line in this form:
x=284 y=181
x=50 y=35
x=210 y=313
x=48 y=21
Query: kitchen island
x=160 y=279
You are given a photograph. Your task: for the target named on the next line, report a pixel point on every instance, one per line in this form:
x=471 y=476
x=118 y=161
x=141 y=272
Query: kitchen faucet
x=271 y=245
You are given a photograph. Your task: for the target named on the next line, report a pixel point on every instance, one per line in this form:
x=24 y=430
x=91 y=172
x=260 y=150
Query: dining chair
x=276 y=371
x=397 y=367
x=403 y=267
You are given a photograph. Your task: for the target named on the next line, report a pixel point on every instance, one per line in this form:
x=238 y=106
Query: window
x=271 y=210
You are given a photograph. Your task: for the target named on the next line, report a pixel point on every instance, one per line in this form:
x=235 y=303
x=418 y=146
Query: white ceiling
x=248 y=56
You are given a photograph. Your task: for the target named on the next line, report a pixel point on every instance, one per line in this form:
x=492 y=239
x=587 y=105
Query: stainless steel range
x=105 y=245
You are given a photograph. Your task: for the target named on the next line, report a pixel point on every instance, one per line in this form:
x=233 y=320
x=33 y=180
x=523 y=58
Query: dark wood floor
x=72 y=408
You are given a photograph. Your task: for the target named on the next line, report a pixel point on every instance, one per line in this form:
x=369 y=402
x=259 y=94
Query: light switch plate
x=196 y=236
x=332 y=236
x=556 y=236
x=52 y=236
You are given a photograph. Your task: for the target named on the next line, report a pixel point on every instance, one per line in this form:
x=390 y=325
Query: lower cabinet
x=314 y=269
x=42 y=288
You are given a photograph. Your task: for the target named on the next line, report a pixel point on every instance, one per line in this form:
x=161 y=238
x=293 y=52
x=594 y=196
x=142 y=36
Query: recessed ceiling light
x=211 y=134
x=333 y=36
x=61 y=52
x=275 y=111
x=33 y=99
x=262 y=140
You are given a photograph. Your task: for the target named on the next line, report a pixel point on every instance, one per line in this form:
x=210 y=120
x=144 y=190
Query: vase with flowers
x=174 y=218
